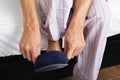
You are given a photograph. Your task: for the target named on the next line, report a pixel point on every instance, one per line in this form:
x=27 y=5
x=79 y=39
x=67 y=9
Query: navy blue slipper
x=51 y=60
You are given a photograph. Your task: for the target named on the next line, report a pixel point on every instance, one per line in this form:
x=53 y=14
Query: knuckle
x=32 y=50
x=35 y=49
x=26 y=48
x=70 y=46
x=81 y=46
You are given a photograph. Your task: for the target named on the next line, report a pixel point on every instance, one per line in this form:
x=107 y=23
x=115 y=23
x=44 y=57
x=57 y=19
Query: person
x=83 y=24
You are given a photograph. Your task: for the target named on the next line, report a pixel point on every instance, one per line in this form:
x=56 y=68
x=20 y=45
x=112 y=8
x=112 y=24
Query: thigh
x=95 y=32
x=54 y=16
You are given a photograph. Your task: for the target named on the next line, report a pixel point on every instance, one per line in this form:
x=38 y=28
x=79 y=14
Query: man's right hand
x=30 y=44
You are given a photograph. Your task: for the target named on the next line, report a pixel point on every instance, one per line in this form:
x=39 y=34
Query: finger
x=28 y=54
x=22 y=53
x=35 y=54
x=70 y=53
x=79 y=50
x=75 y=53
x=32 y=54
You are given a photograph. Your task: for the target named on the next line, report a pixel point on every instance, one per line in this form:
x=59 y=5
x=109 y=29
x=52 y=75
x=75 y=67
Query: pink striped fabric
x=54 y=18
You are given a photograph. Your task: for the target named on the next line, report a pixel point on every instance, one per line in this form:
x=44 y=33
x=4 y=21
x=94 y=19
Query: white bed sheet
x=114 y=6
x=11 y=28
x=11 y=25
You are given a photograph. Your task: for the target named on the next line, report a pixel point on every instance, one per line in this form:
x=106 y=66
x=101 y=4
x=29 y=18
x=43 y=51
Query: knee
x=99 y=13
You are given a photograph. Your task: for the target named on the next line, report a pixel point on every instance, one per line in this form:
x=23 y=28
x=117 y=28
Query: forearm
x=74 y=36
x=81 y=9
x=30 y=14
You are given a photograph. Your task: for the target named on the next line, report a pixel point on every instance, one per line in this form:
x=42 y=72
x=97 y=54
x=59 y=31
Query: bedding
x=11 y=25
x=11 y=28
x=114 y=6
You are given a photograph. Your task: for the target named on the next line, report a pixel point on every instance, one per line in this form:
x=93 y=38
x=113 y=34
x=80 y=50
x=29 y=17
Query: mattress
x=114 y=6
x=11 y=25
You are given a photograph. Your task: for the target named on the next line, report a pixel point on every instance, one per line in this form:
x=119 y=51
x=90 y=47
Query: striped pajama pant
x=55 y=16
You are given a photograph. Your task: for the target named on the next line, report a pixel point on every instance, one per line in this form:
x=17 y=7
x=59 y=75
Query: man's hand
x=30 y=44
x=74 y=40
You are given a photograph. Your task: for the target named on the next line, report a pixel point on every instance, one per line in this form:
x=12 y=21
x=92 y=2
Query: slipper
x=51 y=60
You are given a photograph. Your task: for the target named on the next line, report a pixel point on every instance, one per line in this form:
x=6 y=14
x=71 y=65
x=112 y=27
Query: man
x=89 y=20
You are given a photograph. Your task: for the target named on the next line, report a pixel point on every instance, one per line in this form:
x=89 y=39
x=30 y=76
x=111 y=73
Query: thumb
x=35 y=54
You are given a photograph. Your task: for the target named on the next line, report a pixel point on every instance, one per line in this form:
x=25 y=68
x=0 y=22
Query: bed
x=13 y=67
x=112 y=52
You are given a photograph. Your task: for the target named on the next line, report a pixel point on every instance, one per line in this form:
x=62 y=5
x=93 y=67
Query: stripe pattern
x=54 y=15
x=54 y=18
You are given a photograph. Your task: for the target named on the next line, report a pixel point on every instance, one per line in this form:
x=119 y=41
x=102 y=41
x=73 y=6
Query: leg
x=96 y=29
x=54 y=45
x=54 y=15
x=54 y=20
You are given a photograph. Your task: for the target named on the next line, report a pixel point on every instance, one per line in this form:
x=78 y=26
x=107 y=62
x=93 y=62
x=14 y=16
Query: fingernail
x=24 y=57
x=29 y=59
x=72 y=57
x=69 y=57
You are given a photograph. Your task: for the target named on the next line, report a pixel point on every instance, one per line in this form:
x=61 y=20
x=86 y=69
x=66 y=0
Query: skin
x=30 y=43
x=54 y=45
x=74 y=38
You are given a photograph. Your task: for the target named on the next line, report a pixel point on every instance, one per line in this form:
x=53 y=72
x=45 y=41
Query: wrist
x=77 y=23
x=31 y=25
x=31 y=22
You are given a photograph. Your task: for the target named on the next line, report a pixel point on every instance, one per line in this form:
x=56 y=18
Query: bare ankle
x=54 y=45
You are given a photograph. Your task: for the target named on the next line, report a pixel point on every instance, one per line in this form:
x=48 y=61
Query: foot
x=54 y=45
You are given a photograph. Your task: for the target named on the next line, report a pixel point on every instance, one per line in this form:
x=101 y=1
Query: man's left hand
x=74 y=40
